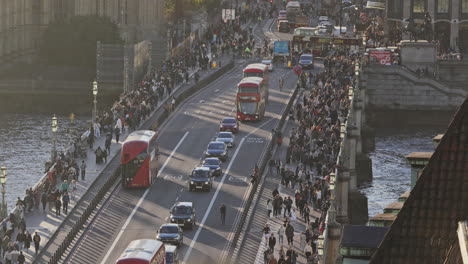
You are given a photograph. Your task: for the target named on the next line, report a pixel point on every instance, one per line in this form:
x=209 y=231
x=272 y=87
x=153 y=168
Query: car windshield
x=216 y=146
x=306 y=57
x=224 y=135
x=229 y=121
x=267 y=62
x=211 y=162
x=200 y=174
x=182 y=210
x=168 y=229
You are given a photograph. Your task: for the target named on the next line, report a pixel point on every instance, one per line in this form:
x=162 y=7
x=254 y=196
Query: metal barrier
x=264 y=160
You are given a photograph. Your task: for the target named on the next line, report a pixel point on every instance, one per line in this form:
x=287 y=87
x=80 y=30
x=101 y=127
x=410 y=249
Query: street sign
x=281 y=48
x=228 y=14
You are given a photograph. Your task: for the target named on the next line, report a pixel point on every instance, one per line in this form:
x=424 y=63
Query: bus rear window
x=247 y=90
x=253 y=74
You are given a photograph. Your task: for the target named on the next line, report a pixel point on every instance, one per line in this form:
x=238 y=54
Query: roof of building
x=405 y=195
x=425 y=228
x=360 y=236
x=383 y=217
x=419 y=155
x=394 y=206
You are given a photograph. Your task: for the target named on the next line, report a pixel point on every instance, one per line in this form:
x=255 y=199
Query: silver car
x=227 y=137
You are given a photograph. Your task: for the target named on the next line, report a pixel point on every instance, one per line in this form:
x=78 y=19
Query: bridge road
x=190 y=129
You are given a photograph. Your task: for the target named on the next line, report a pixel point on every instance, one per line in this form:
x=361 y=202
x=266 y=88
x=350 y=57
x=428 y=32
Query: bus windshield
x=247 y=90
x=248 y=107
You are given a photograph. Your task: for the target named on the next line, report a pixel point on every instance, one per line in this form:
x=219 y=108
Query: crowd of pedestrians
x=314 y=143
x=126 y=114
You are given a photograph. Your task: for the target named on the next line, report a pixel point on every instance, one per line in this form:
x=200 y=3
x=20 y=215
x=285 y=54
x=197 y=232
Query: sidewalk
x=254 y=245
x=46 y=223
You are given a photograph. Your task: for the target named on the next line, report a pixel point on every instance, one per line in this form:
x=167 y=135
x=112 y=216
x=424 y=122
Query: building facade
x=137 y=19
x=21 y=24
x=449 y=19
x=23 y=21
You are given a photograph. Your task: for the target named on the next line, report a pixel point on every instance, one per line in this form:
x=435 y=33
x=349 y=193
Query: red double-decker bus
x=257 y=70
x=143 y=251
x=252 y=97
x=138 y=159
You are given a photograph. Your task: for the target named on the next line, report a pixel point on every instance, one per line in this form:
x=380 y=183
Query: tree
x=72 y=41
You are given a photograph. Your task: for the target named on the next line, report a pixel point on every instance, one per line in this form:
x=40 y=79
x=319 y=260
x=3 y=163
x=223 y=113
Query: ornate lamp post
x=350 y=93
x=320 y=244
x=54 y=138
x=95 y=92
x=356 y=69
x=3 y=179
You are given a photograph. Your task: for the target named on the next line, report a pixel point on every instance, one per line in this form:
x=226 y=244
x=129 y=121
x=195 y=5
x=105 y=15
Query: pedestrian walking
x=20 y=238
x=108 y=142
x=272 y=242
x=65 y=201
x=222 y=211
x=117 y=133
x=302 y=240
x=44 y=200
x=37 y=240
x=83 y=170
x=21 y=258
x=290 y=234
x=28 y=240
x=266 y=232
x=280 y=234
x=58 y=206
x=269 y=208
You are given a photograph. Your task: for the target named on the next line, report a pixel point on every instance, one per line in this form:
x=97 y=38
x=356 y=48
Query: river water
x=25 y=146
x=391 y=171
x=26 y=143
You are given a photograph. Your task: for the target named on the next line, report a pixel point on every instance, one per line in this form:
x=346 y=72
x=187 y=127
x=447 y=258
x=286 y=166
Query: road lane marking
x=208 y=211
x=109 y=251
x=220 y=184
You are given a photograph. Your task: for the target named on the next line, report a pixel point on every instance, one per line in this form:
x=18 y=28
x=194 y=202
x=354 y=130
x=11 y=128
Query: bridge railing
x=327 y=250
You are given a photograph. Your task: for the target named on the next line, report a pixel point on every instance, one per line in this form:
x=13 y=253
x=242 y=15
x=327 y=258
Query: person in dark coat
x=58 y=206
x=272 y=242
x=21 y=258
x=289 y=232
x=37 y=241
x=65 y=201
x=44 y=200
x=27 y=240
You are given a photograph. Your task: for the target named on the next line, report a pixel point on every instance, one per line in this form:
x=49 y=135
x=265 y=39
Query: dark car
x=307 y=61
x=171 y=234
x=217 y=149
x=200 y=179
x=229 y=124
x=183 y=214
x=214 y=164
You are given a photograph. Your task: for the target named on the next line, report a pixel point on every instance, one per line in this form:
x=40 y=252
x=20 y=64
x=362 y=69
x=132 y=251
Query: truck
x=280 y=50
x=293 y=9
x=301 y=21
